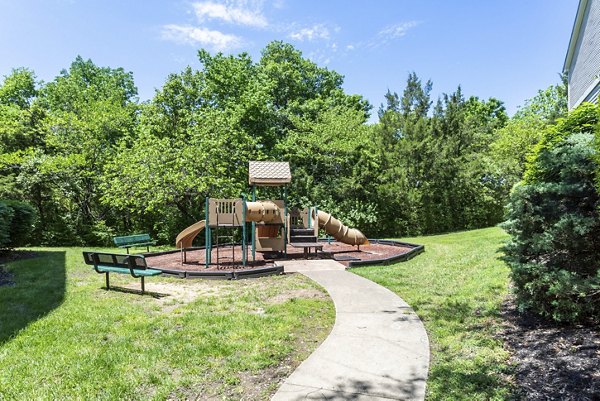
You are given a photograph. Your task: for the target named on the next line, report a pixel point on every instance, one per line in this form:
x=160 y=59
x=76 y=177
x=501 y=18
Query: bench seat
x=130 y=241
x=125 y=270
x=132 y=244
x=106 y=263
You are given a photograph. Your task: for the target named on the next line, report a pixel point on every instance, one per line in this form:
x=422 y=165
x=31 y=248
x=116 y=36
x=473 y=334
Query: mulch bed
x=553 y=362
x=13 y=256
x=196 y=258
x=6 y=278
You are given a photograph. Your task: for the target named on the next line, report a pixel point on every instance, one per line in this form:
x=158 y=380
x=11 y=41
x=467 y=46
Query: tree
x=436 y=175
x=514 y=142
x=19 y=124
x=64 y=133
x=196 y=136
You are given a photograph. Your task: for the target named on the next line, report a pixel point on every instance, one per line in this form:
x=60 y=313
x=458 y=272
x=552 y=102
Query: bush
x=554 y=251
x=6 y=215
x=16 y=223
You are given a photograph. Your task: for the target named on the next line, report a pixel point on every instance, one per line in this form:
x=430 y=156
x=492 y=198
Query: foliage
x=457 y=287
x=436 y=168
x=514 y=142
x=583 y=119
x=554 y=224
x=95 y=162
x=196 y=137
x=58 y=138
x=23 y=218
x=16 y=223
x=6 y=215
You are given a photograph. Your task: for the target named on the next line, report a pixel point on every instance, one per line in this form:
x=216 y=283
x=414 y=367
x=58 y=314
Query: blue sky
x=507 y=49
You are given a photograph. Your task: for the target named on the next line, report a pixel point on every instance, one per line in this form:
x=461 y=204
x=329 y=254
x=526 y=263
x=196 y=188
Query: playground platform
x=230 y=258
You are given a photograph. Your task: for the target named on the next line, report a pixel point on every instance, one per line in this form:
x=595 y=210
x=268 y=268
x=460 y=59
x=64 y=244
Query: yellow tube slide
x=261 y=211
x=339 y=231
x=185 y=238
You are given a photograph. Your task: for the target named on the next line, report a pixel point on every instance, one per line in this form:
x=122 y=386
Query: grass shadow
x=39 y=288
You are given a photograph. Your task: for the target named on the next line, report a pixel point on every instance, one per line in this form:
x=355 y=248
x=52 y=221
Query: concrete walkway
x=378 y=348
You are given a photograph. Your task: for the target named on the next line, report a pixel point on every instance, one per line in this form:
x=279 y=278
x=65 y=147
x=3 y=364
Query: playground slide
x=339 y=231
x=185 y=238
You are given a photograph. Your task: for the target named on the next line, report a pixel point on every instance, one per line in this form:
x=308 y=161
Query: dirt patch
x=6 y=278
x=170 y=296
x=553 y=362
x=259 y=386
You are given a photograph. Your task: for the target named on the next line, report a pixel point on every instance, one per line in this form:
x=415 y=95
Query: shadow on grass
x=457 y=373
x=39 y=288
x=479 y=380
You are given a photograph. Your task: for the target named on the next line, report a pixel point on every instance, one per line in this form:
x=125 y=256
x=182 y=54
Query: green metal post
x=253 y=227
x=285 y=219
x=244 y=244
x=207 y=245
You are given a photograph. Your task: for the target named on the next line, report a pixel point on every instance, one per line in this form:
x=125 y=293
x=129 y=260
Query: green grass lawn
x=457 y=287
x=62 y=336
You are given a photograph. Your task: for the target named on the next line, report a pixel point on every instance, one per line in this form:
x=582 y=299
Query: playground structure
x=272 y=224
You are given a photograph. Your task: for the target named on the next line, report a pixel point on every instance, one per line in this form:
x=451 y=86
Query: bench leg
x=147 y=248
x=143 y=287
x=127 y=250
x=107 y=281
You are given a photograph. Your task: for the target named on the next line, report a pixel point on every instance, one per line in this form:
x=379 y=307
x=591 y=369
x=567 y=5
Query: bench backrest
x=131 y=239
x=115 y=260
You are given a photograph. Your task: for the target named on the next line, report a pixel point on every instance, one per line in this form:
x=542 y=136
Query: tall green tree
x=437 y=177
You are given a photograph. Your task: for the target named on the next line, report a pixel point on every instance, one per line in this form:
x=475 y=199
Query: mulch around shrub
x=13 y=256
x=552 y=361
x=7 y=278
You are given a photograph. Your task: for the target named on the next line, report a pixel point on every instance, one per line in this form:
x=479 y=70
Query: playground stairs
x=302 y=235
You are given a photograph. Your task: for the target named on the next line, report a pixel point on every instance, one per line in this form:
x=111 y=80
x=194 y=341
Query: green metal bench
x=124 y=264
x=130 y=241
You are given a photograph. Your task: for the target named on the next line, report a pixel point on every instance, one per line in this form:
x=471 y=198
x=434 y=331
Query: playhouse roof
x=269 y=173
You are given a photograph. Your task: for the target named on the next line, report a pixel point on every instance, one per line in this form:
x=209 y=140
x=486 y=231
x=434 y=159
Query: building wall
x=584 y=70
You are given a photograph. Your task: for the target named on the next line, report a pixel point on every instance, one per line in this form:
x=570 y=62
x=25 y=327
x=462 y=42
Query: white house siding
x=585 y=66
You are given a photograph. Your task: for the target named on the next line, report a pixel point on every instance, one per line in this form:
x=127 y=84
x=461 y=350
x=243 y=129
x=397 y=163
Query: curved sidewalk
x=378 y=348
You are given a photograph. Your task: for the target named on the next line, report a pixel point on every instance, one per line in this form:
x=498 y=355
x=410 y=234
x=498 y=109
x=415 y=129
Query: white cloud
x=398 y=30
x=319 y=57
x=194 y=35
x=238 y=12
x=318 y=31
x=279 y=4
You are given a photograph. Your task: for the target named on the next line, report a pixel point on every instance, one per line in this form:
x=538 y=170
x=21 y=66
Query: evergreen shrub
x=553 y=220
x=16 y=223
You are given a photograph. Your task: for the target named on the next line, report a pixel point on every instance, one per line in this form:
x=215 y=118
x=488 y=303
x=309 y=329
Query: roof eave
x=268 y=181
x=575 y=34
